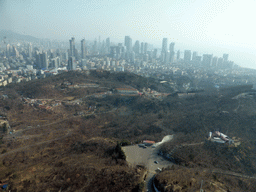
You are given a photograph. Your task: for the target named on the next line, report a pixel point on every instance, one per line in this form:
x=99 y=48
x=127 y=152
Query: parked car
x=156 y=162
x=141 y=145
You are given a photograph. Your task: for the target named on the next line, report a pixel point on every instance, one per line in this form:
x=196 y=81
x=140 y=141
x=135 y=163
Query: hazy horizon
x=213 y=27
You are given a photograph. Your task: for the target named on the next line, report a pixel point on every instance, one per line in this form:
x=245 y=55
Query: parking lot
x=147 y=156
x=136 y=155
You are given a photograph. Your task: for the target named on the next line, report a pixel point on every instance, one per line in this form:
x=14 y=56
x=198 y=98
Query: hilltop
x=66 y=130
x=11 y=36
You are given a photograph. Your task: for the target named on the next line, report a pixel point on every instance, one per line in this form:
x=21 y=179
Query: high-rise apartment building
x=225 y=57
x=95 y=47
x=8 y=50
x=164 y=50
x=15 y=52
x=136 y=47
x=83 y=50
x=178 y=54
x=145 y=57
x=71 y=64
x=207 y=60
x=198 y=60
x=99 y=44
x=194 y=56
x=167 y=57
x=214 y=61
x=145 y=48
x=108 y=44
x=132 y=57
x=55 y=62
x=72 y=47
x=154 y=54
x=44 y=60
x=220 y=62
x=164 y=45
x=128 y=44
x=172 y=53
x=126 y=41
x=142 y=48
x=113 y=51
x=30 y=50
x=38 y=60
x=187 y=55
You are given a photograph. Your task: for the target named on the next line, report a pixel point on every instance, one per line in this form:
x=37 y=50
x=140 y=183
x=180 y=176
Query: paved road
x=136 y=155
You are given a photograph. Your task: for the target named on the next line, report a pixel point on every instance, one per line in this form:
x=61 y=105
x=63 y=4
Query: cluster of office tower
x=142 y=51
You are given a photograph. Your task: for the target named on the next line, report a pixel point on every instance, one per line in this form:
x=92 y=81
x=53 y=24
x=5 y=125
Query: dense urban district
x=123 y=118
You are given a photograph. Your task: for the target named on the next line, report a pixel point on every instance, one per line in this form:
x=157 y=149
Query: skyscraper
x=145 y=48
x=95 y=47
x=172 y=53
x=220 y=62
x=225 y=57
x=215 y=61
x=72 y=47
x=8 y=50
x=194 y=56
x=167 y=57
x=99 y=43
x=126 y=41
x=71 y=64
x=15 y=52
x=187 y=56
x=108 y=44
x=171 y=46
x=132 y=57
x=113 y=51
x=58 y=62
x=164 y=49
x=137 y=47
x=142 y=48
x=30 y=50
x=128 y=44
x=207 y=60
x=38 y=60
x=44 y=60
x=154 y=54
x=103 y=50
x=197 y=60
x=178 y=54
x=145 y=57
x=164 y=45
x=83 y=51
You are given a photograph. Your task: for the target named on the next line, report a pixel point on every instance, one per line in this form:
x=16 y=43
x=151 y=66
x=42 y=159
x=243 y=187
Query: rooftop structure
x=219 y=137
x=147 y=142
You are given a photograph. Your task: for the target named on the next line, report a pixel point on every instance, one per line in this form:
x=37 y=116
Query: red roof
x=147 y=141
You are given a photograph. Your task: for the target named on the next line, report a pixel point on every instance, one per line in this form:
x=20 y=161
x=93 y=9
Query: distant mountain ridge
x=9 y=35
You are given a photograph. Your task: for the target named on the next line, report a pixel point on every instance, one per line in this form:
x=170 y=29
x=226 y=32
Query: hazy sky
x=206 y=26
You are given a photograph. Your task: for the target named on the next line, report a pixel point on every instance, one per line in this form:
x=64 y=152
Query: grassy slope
x=130 y=118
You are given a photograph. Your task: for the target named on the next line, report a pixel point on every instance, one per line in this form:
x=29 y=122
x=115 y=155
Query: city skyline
x=213 y=27
x=42 y=58
x=125 y=50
